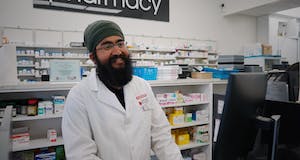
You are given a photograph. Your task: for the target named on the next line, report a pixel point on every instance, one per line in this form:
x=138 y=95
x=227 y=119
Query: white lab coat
x=95 y=125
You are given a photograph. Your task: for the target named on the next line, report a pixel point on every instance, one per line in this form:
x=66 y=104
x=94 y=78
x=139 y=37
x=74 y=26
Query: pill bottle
x=32 y=107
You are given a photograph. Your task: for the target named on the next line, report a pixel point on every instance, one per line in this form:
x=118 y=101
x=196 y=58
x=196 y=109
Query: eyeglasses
x=109 y=46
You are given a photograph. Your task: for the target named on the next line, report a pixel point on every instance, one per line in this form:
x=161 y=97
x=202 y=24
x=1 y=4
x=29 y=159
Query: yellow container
x=178 y=110
x=176 y=119
x=171 y=118
x=182 y=139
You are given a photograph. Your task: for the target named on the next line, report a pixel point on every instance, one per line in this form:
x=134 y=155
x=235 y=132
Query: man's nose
x=116 y=50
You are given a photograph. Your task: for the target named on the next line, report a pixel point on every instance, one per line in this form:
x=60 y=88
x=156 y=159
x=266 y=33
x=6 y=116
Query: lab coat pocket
x=147 y=110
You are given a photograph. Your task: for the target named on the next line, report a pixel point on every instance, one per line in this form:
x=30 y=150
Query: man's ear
x=92 y=57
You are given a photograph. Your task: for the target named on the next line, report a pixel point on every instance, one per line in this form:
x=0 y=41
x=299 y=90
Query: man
x=113 y=115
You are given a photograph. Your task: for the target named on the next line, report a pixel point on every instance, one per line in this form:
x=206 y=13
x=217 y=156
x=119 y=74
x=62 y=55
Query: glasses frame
x=109 y=46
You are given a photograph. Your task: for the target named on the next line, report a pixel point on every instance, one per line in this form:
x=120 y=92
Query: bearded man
x=113 y=115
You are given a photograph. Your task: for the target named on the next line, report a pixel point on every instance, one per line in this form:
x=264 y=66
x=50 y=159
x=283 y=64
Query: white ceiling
x=295 y=12
x=274 y=7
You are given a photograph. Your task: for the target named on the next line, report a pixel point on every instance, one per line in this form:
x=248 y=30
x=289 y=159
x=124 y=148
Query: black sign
x=143 y=9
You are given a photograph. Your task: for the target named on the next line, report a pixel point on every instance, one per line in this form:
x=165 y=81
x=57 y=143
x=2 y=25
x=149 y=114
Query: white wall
x=287 y=47
x=201 y=19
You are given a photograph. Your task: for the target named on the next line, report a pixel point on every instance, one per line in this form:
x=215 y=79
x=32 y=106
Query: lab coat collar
x=103 y=93
x=93 y=80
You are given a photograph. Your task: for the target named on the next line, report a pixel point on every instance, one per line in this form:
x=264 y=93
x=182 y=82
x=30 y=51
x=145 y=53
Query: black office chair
x=293 y=81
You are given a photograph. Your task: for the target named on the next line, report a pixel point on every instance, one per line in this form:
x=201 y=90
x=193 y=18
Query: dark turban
x=97 y=31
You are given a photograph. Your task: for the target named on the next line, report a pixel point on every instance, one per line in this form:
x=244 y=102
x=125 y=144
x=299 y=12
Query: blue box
x=220 y=73
x=147 y=73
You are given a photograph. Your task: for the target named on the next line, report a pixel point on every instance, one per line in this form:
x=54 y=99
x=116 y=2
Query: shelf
x=192 y=145
x=28 y=118
x=25 y=55
x=32 y=65
x=219 y=81
x=60 y=57
x=42 y=67
x=201 y=57
x=38 y=143
x=152 y=58
x=61 y=86
x=26 y=75
x=37 y=86
x=151 y=50
x=87 y=65
x=76 y=57
x=264 y=57
x=184 y=104
x=191 y=49
x=190 y=124
x=179 y=82
x=203 y=64
x=54 y=47
x=44 y=142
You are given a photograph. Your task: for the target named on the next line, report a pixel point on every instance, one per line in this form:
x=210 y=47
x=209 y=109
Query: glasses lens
x=121 y=44
x=108 y=46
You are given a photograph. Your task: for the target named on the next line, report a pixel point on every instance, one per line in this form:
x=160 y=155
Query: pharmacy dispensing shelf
x=28 y=118
x=42 y=67
x=87 y=65
x=197 y=64
x=38 y=143
x=195 y=57
x=191 y=49
x=151 y=50
x=26 y=75
x=188 y=146
x=82 y=65
x=37 y=86
x=192 y=145
x=25 y=55
x=184 y=104
x=212 y=53
x=189 y=124
x=60 y=57
x=180 y=82
x=54 y=86
x=153 y=58
x=30 y=65
x=52 y=116
x=44 y=142
x=51 y=47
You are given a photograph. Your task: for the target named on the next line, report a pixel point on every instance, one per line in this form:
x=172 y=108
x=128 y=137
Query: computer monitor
x=288 y=139
x=245 y=93
x=289 y=124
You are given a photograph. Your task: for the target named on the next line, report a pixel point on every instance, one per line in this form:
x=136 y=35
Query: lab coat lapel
x=106 y=96
x=103 y=94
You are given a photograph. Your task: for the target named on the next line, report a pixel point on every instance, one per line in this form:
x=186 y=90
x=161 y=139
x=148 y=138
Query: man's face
x=110 y=46
x=113 y=63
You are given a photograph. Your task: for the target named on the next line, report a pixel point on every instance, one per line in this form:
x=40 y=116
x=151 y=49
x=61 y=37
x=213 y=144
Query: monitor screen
x=245 y=93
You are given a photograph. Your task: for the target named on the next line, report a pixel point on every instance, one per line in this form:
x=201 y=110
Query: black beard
x=114 y=77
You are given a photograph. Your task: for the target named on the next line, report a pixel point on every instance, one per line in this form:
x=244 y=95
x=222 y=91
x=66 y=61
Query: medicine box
x=52 y=135
x=58 y=102
x=20 y=139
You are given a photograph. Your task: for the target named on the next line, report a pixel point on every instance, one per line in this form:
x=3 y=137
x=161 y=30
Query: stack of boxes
x=231 y=62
